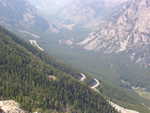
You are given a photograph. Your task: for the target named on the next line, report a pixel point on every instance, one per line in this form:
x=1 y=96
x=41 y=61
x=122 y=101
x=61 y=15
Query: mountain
x=69 y=22
x=34 y=80
x=117 y=52
x=73 y=14
x=128 y=33
x=63 y=18
x=21 y=14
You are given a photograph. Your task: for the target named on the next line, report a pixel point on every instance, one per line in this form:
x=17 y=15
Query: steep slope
x=24 y=78
x=129 y=33
x=21 y=14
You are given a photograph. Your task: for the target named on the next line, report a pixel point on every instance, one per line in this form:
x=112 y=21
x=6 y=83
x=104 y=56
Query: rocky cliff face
x=10 y=106
x=77 y=12
x=20 y=13
x=130 y=33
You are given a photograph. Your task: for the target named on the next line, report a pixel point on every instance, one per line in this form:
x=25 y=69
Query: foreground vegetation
x=108 y=69
x=24 y=78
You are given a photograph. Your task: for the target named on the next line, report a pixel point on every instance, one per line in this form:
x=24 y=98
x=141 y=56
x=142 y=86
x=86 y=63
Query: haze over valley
x=99 y=48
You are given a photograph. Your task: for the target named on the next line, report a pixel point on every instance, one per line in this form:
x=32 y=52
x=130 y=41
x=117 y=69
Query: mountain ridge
x=21 y=14
x=130 y=33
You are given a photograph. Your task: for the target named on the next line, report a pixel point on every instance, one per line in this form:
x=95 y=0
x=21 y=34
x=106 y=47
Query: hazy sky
x=52 y=6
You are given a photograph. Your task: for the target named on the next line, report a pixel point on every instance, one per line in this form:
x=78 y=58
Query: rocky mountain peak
x=129 y=33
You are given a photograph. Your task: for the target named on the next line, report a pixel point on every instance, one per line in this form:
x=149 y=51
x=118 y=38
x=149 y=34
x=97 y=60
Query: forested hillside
x=40 y=86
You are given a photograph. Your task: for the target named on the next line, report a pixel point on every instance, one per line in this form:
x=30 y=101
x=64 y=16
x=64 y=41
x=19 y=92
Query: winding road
x=35 y=44
x=122 y=109
x=83 y=77
x=96 y=82
x=96 y=85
